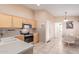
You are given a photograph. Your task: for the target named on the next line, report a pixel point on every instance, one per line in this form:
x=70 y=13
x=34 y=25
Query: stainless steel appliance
x=28 y=37
x=26 y=29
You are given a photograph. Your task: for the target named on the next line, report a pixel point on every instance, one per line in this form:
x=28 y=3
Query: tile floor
x=54 y=47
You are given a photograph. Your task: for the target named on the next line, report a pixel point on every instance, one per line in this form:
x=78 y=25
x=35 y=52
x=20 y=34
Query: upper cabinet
x=5 y=21
x=16 y=22
x=34 y=23
x=30 y=21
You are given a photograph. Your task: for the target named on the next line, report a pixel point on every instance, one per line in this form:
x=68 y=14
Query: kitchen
x=39 y=29
x=23 y=23
x=36 y=29
x=20 y=23
x=17 y=32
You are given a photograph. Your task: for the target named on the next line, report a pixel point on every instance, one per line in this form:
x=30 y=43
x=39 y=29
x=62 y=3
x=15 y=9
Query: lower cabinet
x=28 y=38
x=36 y=37
x=20 y=37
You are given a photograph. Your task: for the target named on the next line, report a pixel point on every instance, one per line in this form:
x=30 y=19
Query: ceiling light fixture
x=65 y=17
x=38 y=4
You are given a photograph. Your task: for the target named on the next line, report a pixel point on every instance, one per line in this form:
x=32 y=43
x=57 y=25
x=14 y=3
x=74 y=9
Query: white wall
x=72 y=32
x=58 y=30
x=50 y=30
x=46 y=19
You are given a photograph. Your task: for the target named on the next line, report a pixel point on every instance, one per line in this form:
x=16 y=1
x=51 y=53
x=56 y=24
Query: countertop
x=14 y=47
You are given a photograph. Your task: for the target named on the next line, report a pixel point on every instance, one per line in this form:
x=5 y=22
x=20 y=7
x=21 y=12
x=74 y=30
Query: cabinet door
x=17 y=22
x=5 y=21
x=36 y=37
x=32 y=22
x=20 y=37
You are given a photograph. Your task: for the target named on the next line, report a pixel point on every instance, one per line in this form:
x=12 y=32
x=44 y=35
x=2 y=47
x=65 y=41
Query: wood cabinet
x=16 y=22
x=34 y=23
x=30 y=21
x=5 y=21
x=36 y=37
x=20 y=37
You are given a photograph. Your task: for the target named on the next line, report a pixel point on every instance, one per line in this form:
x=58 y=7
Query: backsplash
x=9 y=32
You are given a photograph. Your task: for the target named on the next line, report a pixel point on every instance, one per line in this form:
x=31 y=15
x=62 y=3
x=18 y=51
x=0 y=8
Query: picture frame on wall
x=69 y=24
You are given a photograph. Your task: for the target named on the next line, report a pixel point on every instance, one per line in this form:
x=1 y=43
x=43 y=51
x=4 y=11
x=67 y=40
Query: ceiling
x=57 y=9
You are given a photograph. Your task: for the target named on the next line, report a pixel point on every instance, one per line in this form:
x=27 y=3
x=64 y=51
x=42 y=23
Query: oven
x=28 y=38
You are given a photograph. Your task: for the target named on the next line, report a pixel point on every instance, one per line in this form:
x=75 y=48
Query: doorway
x=58 y=36
x=58 y=30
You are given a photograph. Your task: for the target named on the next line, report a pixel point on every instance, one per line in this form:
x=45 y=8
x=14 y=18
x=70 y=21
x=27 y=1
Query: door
x=58 y=36
x=58 y=30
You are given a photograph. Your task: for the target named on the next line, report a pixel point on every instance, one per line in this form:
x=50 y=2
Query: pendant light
x=65 y=17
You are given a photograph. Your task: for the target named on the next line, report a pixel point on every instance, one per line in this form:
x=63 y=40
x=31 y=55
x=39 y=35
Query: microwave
x=26 y=26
